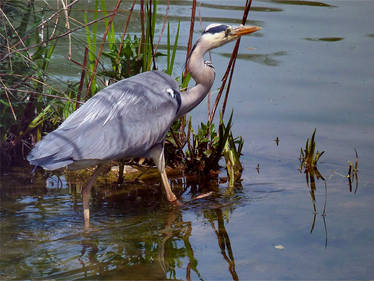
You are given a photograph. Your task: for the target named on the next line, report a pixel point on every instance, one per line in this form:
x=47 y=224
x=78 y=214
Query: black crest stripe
x=216 y=29
x=177 y=96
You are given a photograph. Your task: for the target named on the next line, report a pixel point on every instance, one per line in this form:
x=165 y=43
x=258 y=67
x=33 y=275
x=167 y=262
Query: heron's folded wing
x=123 y=120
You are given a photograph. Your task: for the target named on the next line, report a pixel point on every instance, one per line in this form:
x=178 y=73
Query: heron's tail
x=50 y=153
x=47 y=162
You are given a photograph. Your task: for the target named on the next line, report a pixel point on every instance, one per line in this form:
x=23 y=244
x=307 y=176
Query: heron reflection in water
x=131 y=118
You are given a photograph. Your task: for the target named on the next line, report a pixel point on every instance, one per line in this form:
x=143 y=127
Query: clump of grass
x=200 y=152
x=309 y=157
x=308 y=164
x=128 y=64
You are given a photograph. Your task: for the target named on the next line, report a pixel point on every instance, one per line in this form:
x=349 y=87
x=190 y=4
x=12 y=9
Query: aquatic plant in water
x=309 y=156
x=352 y=174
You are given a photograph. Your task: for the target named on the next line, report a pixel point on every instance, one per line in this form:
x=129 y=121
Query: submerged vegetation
x=33 y=103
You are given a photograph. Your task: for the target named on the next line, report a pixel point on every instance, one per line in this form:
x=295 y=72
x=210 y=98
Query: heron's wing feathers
x=123 y=120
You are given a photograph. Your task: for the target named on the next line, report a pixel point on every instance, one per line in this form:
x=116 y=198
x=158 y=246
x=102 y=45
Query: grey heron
x=131 y=118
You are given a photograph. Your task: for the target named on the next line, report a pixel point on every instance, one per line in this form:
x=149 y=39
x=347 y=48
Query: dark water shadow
x=239 y=8
x=264 y=59
x=211 y=19
x=325 y=39
x=300 y=3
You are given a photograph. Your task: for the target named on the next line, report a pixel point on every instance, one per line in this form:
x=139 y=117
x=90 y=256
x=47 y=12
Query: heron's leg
x=86 y=195
x=157 y=154
x=121 y=168
x=169 y=193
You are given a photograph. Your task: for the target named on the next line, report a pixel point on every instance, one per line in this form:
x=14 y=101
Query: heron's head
x=216 y=35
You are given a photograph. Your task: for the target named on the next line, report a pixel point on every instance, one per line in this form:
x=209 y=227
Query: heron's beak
x=244 y=29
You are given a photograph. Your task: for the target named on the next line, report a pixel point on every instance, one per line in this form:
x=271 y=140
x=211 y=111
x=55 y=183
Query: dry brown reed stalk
x=142 y=20
x=192 y=25
x=83 y=74
x=34 y=93
x=7 y=45
x=151 y=35
x=67 y=25
x=56 y=22
x=7 y=92
x=102 y=47
x=163 y=26
x=230 y=68
x=210 y=57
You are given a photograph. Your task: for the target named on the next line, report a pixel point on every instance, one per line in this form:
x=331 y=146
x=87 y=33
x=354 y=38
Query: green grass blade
x=174 y=49
x=168 y=51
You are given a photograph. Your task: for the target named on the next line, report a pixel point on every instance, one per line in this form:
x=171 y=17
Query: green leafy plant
x=232 y=152
x=171 y=56
x=201 y=151
x=129 y=62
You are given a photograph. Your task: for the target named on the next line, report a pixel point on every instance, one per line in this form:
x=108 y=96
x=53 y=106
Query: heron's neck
x=204 y=77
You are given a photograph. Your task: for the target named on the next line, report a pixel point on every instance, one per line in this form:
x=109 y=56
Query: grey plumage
x=123 y=120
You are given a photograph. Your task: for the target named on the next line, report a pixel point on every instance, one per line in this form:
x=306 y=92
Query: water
x=310 y=67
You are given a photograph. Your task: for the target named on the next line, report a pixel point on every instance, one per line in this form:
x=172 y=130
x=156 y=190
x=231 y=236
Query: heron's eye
x=170 y=92
x=227 y=31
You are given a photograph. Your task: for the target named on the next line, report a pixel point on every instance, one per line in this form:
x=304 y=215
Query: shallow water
x=310 y=67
